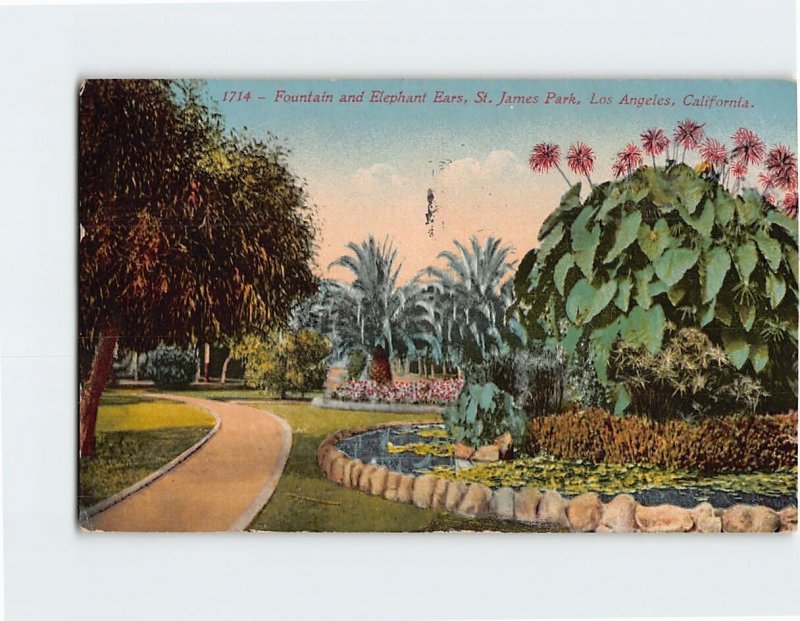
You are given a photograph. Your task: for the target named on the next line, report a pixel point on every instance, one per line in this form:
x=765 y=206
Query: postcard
x=437 y=305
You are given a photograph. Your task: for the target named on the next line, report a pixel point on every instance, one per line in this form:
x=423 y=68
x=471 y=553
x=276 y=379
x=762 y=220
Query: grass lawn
x=136 y=435
x=307 y=501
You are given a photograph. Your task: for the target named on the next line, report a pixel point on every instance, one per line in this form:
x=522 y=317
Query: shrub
x=668 y=244
x=689 y=378
x=731 y=444
x=356 y=363
x=583 y=387
x=170 y=367
x=482 y=413
x=422 y=392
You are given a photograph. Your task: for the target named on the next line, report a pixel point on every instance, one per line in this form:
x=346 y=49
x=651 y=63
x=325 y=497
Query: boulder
x=663 y=519
x=475 y=501
x=504 y=443
x=462 y=451
x=439 y=493
x=747 y=519
x=323 y=453
x=423 y=490
x=366 y=475
x=377 y=481
x=705 y=519
x=337 y=469
x=788 y=517
x=455 y=492
x=553 y=508
x=405 y=490
x=526 y=502
x=487 y=452
x=329 y=458
x=392 y=483
x=501 y=503
x=584 y=513
x=356 y=467
x=618 y=515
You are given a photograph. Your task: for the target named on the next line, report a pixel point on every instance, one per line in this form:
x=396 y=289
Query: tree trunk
x=206 y=360
x=93 y=389
x=136 y=366
x=224 y=375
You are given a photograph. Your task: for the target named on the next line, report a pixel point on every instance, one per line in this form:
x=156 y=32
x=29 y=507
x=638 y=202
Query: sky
x=368 y=166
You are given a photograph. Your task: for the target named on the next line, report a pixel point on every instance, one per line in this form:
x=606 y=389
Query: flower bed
x=421 y=392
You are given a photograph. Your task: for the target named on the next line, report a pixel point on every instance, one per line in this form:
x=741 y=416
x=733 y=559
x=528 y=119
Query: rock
x=439 y=493
x=585 y=512
x=505 y=444
x=455 y=492
x=462 y=451
x=526 y=502
x=366 y=474
x=423 y=490
x=663 y=519
x=337 y=469
x=392 y=483
x=618 y=515
x=377 y=481
x=553 y=508
x=487 y=452
x=501 y=503
x=331 y=454
x=705 y=519
x=788 y=517
x=405 y=490
x=356 y=467
x=475 y=501
x=322 y=453
x=747 y=519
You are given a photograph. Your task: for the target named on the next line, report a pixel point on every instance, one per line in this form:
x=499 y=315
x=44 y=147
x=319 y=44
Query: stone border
x=85 y=515
x=584 y=513
x=371 y=406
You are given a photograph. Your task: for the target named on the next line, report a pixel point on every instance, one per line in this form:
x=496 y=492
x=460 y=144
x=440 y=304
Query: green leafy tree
x=668 y=246
x=191 y=234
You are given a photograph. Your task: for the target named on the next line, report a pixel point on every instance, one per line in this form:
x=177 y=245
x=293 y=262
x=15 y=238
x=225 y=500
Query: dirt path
x=221 y=487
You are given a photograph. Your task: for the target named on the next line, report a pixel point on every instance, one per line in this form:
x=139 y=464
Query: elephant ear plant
x=667 y=246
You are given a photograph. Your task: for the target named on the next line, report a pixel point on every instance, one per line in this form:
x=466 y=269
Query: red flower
x=689 y=134
x=618 y=168
x=580 y=158
x=770 y=199
x=654 y=141
x=765 y=180
x=544 y=156
x=781 y=164
x=790 y=204
x=714 y=153
x=747 y=147
x=630 y=157
x=739 y=169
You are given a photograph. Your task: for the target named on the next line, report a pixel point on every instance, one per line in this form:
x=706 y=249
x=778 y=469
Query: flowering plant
x=420 y=392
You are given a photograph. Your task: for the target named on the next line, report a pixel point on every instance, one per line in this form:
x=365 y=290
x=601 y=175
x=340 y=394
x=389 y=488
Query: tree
x=191 y=233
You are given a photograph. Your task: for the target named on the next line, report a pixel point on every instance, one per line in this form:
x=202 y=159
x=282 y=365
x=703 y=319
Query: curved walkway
x=221 y=487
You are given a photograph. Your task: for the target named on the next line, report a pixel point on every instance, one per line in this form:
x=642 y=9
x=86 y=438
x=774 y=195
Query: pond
x=417 y=449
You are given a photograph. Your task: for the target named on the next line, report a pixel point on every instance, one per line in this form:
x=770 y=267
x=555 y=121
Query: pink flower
x=689 y=134
x=781 y=164
x=630 y=157
x=739 y=169
x=765 y=180
x=714 y=153
x=618 y=168
x=770 y=199
x=580 y=159
x=544 y=156
x=747 y=147
x=654 y=141
x=790 y=204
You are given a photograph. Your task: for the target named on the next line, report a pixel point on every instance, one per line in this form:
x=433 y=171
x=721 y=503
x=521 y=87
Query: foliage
x=422 y=392
x=356 y=363
x=667 y=245
x=576 y=477
x=689 y=378
x=583 y=387
x=437 y=449
x=285 y=361
x=482 y=413
x=171 y=367
x=714 y=445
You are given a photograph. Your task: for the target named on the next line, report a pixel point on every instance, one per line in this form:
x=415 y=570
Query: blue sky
x=368 y=166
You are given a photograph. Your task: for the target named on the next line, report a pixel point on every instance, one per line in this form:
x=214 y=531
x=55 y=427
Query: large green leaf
x=701 y=222
x=550 y=241
x=622 y=299
x=746 y=257
x=644 y=327
x=747 y=315
x=674 y=263
x=571 y=338
x=770 y=248
x=707 y=316
x=776 y=289
x=791 y=260
x=609 y=203
x=690 y=191
x=654 y=241
x=759 y=355
x=561 y=270
x=582 y=236
x=783 y=220
x=725 y=207
x=584 y=258
x=585 y=300
x=717 y=262
x=570 y=201
x=736 y=346
x=748 y=209
x=622 y=399
x=626 y=234
x=602 y=340
x=643 y=278
x=675 y=293
x=661 y=192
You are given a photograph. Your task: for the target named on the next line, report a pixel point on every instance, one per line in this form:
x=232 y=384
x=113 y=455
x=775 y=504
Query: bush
x=482 y=413
x=583 y=387
x=689 y=378
x=421 y=392
x=733 y=444
x=356 y=363
x=170 y=367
